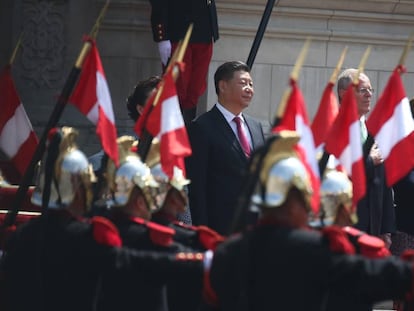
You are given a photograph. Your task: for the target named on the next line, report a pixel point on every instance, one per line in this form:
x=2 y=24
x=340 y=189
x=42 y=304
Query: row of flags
x=92 y=97
x=335 y=128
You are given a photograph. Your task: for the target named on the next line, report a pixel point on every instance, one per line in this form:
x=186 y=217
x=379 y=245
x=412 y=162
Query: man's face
x=237 y=92
x=364 y=95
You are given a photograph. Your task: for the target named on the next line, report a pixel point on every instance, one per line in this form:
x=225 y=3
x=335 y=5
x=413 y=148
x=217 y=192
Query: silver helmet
x=178 y=181
x=63 y=171
x=131 y=173
x=336 y=191
x=281 y=171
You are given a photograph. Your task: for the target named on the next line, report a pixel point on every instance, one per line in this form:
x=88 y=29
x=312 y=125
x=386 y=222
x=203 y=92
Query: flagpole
x=260 y=32
x=325 y=156
x=16 y=49
x=256 y=161
x=145 y=141
x=366 y=148
x=53 y=120
x=406 y=50
x=293 y=76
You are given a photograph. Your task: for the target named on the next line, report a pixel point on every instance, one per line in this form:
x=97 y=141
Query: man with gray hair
x=375 y=211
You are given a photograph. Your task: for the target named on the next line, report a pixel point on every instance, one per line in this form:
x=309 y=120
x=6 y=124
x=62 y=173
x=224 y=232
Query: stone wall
x=53 y=38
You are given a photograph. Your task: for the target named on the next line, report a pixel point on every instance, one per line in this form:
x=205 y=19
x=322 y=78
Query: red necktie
x=244 y=142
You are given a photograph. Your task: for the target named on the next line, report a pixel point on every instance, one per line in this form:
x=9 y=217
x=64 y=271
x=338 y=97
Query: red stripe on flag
x=325 y=116
x=25 y=153
x=9 y=98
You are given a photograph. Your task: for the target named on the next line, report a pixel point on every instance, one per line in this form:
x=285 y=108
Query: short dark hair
x=226 y=71
x=140 y=95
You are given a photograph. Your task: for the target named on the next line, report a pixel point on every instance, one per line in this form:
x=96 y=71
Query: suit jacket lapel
x=255 y=132
x=227 y=132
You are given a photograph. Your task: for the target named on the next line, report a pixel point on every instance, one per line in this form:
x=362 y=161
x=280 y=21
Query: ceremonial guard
x=135 y=195
x=281 y=263
x=338 y=213
x=58 y=260
x=184 y=293
x=170 y=20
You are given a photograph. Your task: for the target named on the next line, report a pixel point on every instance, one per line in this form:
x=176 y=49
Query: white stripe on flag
x=353 y=151
x=104 y=97
x=171 y=118
x=307 y=143
x=15 y=132
x=399 y=126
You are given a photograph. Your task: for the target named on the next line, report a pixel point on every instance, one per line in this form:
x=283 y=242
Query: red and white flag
x=325 y=116
x=166 y=121
x=344 y=142
x=17 y=138
x=392 y=125
x=91 y=96
x=296 y=119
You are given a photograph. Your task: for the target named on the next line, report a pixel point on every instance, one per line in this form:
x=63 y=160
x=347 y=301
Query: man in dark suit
x=170 y=20
x=376 y=213
x=218 y=164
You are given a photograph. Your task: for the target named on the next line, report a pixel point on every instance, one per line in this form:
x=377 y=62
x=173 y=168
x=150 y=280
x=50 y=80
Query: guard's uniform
x=170 y=20
x=365 y=245
x=140 y=234
x=57 y=262
x=186 y=292
x=293 y=269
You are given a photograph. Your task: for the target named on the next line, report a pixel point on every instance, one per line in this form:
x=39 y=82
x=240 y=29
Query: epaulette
x=105 y=232
x=209 y=238
x=338 y=241
x=159 y=234
x=369 y=246
x=372 y=247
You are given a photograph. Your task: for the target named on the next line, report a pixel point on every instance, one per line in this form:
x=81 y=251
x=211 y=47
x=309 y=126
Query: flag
x=325 y=116
x=295 y=118
x=344 y=142
x=392 y=125
x=17 y=138
x=166 y=121
x=91 y=96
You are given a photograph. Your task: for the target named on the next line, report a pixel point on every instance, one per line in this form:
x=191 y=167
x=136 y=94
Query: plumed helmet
x=335 y=191
x=281 y=171
x=63 y=171
x=132 y=172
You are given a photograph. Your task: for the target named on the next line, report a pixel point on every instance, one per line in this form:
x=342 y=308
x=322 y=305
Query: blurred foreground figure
x=281 y=263
x=58 y=260
x=338 y=213
x=135 y=196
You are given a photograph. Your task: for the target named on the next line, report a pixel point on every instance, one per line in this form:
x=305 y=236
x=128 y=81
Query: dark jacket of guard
x=185 y=293
x=370 y=247
x=125 y=291
x=275 y=267
x=170 y=20
x=58 y=262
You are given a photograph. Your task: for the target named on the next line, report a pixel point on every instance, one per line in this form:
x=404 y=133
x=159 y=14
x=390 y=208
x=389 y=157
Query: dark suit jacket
x=170 y=20
x=217 y=168
x=376 y=212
